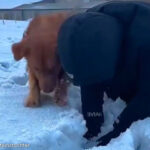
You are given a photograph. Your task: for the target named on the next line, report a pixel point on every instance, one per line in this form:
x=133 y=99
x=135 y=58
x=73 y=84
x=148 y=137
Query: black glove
x=92 y=100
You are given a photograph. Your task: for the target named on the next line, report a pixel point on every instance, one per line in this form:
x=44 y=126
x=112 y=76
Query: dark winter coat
x=107 y=49
x=104 y=45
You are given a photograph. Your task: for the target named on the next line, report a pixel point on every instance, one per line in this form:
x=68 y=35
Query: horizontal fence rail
x=24 y=14
x=19 y=13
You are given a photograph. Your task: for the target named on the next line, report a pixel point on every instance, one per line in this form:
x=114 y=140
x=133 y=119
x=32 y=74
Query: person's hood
x=89 y=46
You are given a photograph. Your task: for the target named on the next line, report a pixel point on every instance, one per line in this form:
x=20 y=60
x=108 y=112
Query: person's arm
x=139 y=107
x=92 y=100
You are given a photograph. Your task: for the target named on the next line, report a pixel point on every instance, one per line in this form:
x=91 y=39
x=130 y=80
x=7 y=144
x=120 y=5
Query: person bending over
x=107 y=49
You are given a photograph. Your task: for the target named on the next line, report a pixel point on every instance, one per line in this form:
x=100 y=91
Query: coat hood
x=88 y=46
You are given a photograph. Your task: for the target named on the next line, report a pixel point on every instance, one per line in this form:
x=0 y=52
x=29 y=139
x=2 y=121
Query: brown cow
x=39 y=48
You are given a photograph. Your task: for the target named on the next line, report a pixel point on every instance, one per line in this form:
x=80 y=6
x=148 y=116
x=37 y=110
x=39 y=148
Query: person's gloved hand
x=88 y=135
x=104 y=140
x=108 y=137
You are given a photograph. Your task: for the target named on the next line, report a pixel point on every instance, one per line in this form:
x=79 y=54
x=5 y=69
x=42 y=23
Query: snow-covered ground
x=7 y=4
x=51 y=127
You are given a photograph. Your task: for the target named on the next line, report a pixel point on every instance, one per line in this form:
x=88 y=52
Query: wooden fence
x=24 y=14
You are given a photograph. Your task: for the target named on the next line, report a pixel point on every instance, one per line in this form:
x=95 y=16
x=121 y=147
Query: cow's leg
x=33 y=99
x=61 y=90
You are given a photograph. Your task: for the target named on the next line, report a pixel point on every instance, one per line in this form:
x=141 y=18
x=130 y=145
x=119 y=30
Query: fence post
x=3 y=18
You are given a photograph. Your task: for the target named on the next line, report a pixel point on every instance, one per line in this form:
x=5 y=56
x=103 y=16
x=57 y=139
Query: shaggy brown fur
x=39 y=46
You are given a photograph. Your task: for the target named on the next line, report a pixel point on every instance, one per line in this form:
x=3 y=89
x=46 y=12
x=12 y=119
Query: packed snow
x=7 y=4
x=51 y=127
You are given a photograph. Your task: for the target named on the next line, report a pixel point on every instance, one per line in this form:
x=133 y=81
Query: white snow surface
x=51 y=127
x=8 y=4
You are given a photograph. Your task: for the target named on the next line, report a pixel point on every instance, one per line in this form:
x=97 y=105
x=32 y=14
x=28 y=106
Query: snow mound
x=137 y=137
x=48 y=127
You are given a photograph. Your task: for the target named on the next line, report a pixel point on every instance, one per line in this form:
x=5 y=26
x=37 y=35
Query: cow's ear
x=19 y=50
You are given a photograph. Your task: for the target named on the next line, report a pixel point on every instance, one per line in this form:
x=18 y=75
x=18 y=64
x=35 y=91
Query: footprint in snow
x=4 y=66
x=20 y=80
